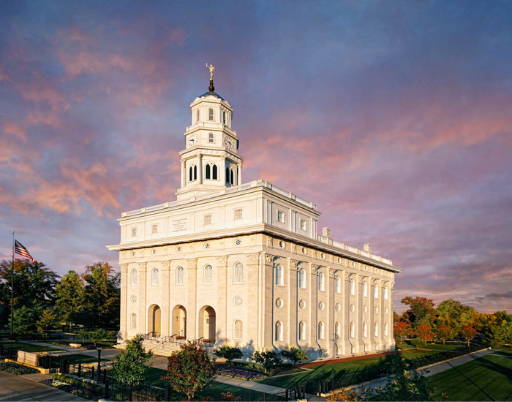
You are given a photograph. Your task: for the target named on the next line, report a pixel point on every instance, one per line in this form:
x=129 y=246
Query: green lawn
x=27 y=347
x=485 y=379
x=213 y=390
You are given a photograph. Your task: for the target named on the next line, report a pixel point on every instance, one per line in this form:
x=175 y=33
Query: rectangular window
x=197 y=115
x=365 y=289
x=211 y=138
x=280 y=216
x=154 y=229
x=210 y=114
x=133 y=323
x=207 y=220
x=238 y=214
x=224 y=117
x=134 y=232
x=303 y=225
x=386 y=294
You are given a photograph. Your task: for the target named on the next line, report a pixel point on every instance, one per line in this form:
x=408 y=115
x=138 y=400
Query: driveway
x=16 y=388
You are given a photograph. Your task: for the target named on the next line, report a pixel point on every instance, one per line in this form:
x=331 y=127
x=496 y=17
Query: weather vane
x=211 y=68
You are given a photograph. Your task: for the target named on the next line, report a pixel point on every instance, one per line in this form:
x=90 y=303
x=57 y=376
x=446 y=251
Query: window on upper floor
x=337 y=330
x=180 y=273
x=210 y=114
x=303 y=225
x=301 y=273
x=279 y=330
x=238 y=329
x=281 y=216
x=376 y=332
x=154 y=277
x=321 y=330
x=279 y=275
x=238 y=272
x=154 y=228
x=321 y=281
x=208 y=173
x=207 y=274
x=302 y=331
x=197 y=115
x=365 y=289
x=214 y=172
x=352 y=330
x=376 y=292
x=224 y=117
x=386 y=293
x=195 y=173
x=133 y=321
x=207 y=220
x=134 y=232
x=237 y=214
x=337 y=284
x=211 y=138
x=133 y=276
x=353 y=287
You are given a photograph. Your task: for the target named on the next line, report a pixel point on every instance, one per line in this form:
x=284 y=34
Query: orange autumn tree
x=444 y=333
x=424 y=332
x=402 y=329
x=468 y=333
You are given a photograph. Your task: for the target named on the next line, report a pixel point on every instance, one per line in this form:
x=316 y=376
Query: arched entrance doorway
x=179 y=321
x=207 y=324
x=154 y=320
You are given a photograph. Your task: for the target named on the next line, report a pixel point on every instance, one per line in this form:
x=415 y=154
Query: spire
x=210 y=67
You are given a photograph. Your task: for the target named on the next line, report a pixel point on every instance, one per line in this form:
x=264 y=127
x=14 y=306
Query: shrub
x=295 y=355
x=270 y=360
x=129 y=366
x=229 y=353
x=15 y=368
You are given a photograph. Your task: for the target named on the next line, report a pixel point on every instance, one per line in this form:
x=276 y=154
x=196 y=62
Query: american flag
x=22 y=250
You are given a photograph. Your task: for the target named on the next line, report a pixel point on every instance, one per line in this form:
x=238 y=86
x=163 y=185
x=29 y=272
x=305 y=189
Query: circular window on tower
x=279 y=302
x=237 y=300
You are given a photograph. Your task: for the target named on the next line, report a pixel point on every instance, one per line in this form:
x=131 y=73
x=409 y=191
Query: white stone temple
x=243 y=263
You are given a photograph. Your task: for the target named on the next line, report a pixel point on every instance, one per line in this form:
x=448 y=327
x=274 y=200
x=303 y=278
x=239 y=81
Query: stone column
x=123 y=319
x=142 y=319
x=191 y=307
x=268 y=302
x=291 y=304
x=331 y=302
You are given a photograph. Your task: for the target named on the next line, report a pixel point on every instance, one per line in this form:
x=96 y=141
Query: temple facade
x=245 y=263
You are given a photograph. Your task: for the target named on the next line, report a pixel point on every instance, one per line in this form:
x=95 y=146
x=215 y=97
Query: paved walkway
x=27 y=388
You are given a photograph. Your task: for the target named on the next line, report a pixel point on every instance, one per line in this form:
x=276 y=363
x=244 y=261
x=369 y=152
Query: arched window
x=133 y=321
x=376 y=329
x=352 y=287
x=214 y=172
x=179 y=275
x=386 y=293
x=337 y=330
x=190 y=174
x=227 y=175
x=302 y=331
x=154 y=277
x=238 y=329
x=385 y=329
x=279 y=275
x=365 y=289
x=376 y=292
x=208 y=273
x=210 y=114
x=352 y=330
x=133 y=277
x=207 y=171
x=195 y=172
x=278 y=331
x=337 y=284
x=238 y=272
x=301 y=278
x=321 y=281
x=365 y=329
x=321 y=330
x=231 y=176
x=224 y=117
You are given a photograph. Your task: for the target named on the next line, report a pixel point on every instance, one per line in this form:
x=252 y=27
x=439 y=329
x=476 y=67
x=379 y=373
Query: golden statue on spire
x=212 y=70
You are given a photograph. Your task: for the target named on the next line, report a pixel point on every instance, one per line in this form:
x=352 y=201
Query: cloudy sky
x=395 y=118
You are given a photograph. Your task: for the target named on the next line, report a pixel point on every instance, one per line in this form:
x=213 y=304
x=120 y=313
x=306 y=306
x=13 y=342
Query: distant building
x=244 y=264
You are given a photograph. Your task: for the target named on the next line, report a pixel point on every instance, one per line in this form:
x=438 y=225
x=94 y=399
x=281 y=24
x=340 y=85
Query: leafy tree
x=101 y=296
x=129 y=366
x=295 y=355
x=468 y=333
x=24 y=320
x=402 y=329
x=190 y=369
x=420 y=310
x=70 y=297
x=47 y=320
x=229 y=353
x=444 y=332
x=269 y=360
x=501 y=334
x=424 y=332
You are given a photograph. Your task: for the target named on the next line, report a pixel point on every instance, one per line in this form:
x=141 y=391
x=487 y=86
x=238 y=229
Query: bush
x=229 y=353
x=295 y=355
x=270 y=360
x=129 y=366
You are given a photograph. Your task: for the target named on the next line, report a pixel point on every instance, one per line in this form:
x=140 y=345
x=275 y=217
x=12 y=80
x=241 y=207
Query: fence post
x=79 y=369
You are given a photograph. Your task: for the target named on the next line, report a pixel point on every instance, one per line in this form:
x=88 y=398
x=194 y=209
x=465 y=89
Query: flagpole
x=12 y=288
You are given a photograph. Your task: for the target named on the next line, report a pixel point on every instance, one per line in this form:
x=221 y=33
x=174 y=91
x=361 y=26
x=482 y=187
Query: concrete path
x=19 y=388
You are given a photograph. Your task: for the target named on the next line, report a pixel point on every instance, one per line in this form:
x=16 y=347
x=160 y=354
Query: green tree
x=190 y=369
x=129 y=367
x=101 y=296
x=70 y=298
x=229 y=353
x=444 y=332
x=295 y=355
x=47 y=320
x=24 y=321
x=420 y=311
x=270 y=360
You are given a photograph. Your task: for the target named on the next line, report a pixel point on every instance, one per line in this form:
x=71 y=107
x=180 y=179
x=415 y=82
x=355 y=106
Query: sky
x=395 y=118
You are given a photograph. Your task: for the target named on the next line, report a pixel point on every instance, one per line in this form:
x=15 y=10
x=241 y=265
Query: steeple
x=210 y=161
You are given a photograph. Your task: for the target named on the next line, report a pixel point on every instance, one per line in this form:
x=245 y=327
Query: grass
x=484 y=379
x=27 y=347
x=213 y=390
